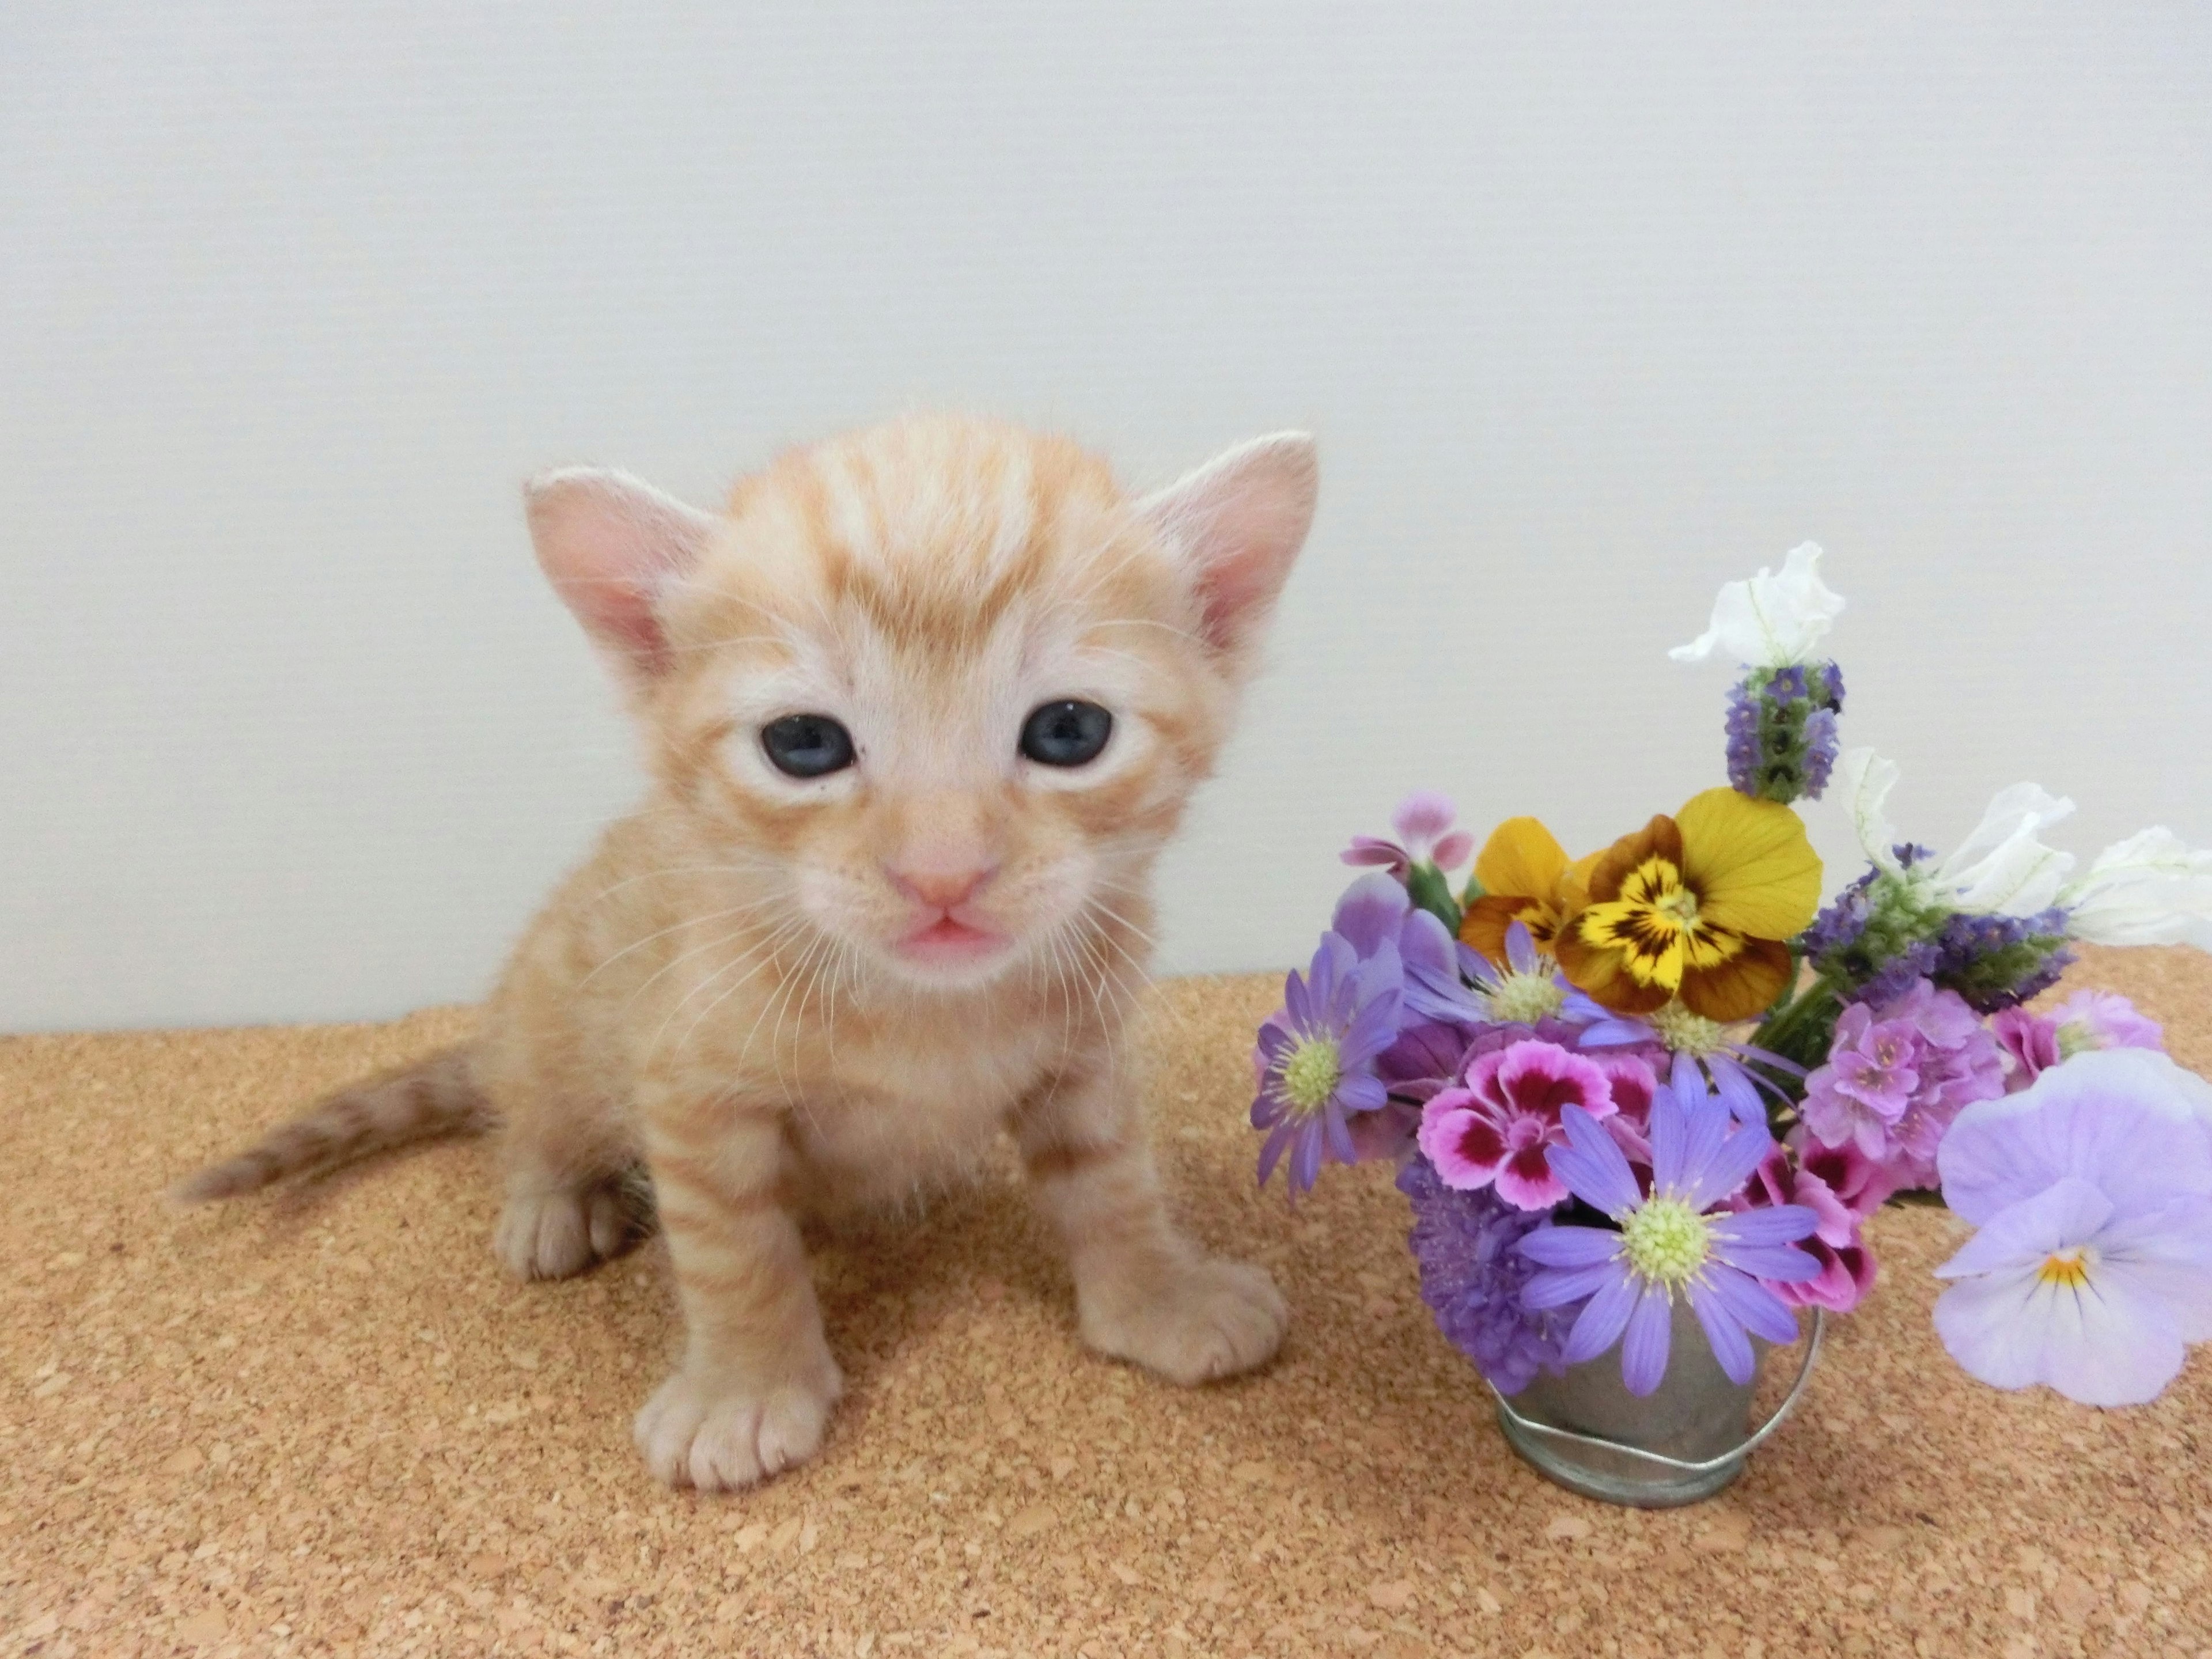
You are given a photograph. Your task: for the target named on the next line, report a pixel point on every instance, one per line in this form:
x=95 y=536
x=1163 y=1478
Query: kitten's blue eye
x=1066 y=734
x=807 y=745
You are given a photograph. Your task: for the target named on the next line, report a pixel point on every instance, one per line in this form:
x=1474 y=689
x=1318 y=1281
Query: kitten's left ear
x=1238 y=522
x=609 y=544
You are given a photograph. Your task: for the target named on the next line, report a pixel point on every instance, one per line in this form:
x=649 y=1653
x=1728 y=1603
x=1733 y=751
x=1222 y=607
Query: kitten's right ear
x=1237 y=522
x=609 y=544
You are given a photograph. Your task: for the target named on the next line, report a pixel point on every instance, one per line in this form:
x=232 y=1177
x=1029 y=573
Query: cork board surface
x=330 y=1425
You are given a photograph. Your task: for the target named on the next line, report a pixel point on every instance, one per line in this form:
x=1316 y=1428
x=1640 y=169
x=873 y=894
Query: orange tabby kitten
x=920 y=706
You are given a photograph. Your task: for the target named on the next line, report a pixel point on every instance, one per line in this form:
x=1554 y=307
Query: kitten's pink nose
x=944 y=889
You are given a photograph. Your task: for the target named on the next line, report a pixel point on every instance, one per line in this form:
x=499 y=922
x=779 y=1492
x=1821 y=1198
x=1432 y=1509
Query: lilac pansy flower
x=2092 y=1189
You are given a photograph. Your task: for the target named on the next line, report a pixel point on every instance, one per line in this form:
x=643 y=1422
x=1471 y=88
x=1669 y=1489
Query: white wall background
x=1593 y=308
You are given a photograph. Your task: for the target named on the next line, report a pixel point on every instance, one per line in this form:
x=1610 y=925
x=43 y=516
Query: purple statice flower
x=1898 y=1074
x=1472 y=1276
x=1495 y=1128
x=1425 y=835
x=1674 y=1030
x=1669 y=1241
x=2092 y=1270
x=2085 y=1023
x=1782 y=734
x=1316 y=1058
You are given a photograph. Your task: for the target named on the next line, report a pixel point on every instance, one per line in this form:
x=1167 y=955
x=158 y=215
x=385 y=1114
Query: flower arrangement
x=1664 y=1071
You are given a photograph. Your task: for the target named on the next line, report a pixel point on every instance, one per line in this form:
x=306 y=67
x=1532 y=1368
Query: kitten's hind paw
x=720 y=1436
x=557 y=1232
x=1200 y=1320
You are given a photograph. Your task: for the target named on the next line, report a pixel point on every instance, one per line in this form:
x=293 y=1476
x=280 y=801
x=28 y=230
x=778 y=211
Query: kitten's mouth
x=948 y=942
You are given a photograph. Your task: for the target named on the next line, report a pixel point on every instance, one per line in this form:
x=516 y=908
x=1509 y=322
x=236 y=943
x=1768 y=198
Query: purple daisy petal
x=1644 y=1349
x=1612 y=1033
x=1670 y=1135
x=1305 y=1155
x=1520 y=949
x=1773 y=1223
x=1362 y=1092
x=1736 y=1088
x=1271 y=1150
x=1571 y=1247
x=1337 y=1134
x=1757 y=1309
x=1706 y=1128
x=1724 y=1332
x=1592 y=1166
x=1731 y=1164
x=1556 y=1287
x=1601 y=1320
x=1777 y=1264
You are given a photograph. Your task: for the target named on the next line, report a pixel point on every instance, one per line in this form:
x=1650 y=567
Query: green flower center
x=1686 y=1033
x=2075 y=1037
x=1664 y=1242
x=1526 y=998
x=1311 y=1075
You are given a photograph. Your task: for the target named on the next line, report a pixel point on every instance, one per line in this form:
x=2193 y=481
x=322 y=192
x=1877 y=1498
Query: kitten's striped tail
x=433 y=1096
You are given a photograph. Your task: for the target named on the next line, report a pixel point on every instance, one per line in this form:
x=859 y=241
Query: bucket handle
x=1711 y=1465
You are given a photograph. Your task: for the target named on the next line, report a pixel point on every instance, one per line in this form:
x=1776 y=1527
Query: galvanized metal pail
x=1683 y=1442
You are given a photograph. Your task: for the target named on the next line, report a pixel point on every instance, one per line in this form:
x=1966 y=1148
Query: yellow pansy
x=1697 y=907
x=1521 y=871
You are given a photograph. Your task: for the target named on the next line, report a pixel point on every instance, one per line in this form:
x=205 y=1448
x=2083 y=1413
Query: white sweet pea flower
x=2002 y=869
x=2148 y=890
x=1770 y=621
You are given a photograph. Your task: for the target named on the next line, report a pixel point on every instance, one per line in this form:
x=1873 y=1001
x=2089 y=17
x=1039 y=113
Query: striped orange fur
x=776 y=994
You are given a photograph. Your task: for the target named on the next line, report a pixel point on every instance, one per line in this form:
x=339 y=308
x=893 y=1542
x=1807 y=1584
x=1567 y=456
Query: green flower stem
x=1802 y=1027
x=1426 y=886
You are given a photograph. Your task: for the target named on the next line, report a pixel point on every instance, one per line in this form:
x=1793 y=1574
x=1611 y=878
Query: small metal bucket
x=1683 y=1442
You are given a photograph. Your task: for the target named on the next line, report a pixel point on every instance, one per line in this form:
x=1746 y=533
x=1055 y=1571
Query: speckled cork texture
x=329 y=1424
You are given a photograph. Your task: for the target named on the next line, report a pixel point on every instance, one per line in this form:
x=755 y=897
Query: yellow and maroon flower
x=1697 y=907
x=1523 y=872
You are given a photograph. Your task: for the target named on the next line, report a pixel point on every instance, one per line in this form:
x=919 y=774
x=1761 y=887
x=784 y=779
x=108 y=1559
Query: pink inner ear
x=1241 y=521
x=609 y=544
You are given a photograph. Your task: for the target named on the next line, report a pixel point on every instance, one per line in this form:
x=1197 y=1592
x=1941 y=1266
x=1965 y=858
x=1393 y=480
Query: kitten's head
x=941 y=685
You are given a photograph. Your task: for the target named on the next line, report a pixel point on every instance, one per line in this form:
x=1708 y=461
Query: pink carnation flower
x=1841 y=1186
x=1495 y=1129
x=1423 y=823
x=2085 y=1023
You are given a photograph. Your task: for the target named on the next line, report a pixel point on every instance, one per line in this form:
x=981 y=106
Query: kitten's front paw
x=554 y=1233
x=720 y=1435
x=1200 y=1320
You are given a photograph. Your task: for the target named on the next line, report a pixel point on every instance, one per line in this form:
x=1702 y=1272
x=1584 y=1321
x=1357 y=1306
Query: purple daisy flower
x=1316 y=1057
x=1729 y=1063
x=1668 y=1242
x=1527 y=988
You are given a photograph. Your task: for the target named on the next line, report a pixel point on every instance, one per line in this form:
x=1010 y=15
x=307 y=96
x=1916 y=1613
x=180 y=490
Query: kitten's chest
x=902 y=1106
